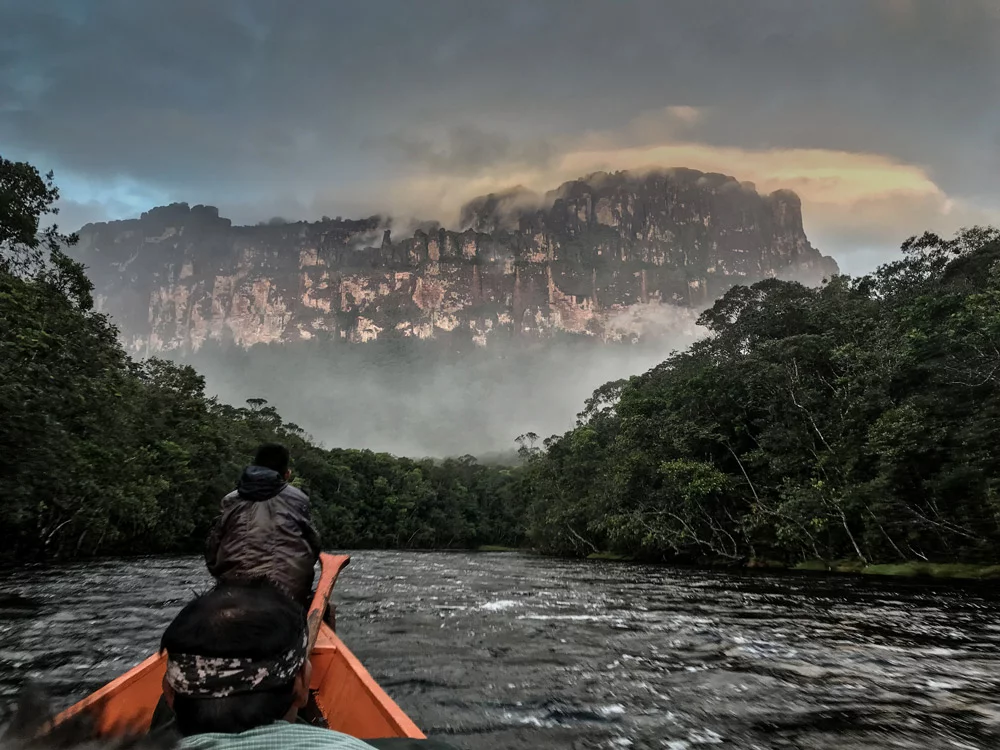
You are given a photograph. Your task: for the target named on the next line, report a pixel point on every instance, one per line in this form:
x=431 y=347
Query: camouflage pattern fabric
x=218 y=677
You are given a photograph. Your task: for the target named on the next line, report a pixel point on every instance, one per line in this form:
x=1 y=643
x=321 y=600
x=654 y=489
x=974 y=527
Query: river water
x=514 y=651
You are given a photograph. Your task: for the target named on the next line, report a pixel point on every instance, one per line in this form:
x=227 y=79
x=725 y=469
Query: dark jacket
x=265 y=531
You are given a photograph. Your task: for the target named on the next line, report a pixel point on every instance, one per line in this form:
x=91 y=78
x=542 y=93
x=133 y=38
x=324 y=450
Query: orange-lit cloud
x=867 y=198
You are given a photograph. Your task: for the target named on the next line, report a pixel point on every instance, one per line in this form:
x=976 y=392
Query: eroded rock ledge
x=601 y=256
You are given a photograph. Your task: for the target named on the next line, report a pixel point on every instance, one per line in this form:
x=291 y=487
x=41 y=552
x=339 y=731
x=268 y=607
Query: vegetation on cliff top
x=859 y=420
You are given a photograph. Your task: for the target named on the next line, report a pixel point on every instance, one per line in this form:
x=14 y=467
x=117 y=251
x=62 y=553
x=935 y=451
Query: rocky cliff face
x=590 y=258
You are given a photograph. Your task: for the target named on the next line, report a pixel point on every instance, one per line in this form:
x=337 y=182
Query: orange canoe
x=346 y=698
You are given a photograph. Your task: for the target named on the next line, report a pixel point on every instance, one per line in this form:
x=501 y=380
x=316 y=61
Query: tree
x=858 y=419
x=103 y=455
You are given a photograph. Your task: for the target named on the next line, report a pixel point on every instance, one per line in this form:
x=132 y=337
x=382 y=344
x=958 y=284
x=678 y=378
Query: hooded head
x=275 y=457
x=268 y=475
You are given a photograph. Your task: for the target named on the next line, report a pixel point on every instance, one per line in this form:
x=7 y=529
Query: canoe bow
x=346 y=694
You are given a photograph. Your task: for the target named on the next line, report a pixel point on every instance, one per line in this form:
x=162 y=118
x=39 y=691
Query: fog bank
x=429 y=398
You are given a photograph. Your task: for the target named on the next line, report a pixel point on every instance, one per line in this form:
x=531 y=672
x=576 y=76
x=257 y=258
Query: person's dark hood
x=259 y=483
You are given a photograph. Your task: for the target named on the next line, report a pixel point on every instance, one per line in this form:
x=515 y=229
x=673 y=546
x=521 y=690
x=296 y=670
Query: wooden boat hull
x=346 y=696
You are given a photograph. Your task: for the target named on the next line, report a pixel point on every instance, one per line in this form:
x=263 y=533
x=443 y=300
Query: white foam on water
x=944 y=684
x=704 y=737
x=578 y=618
x=614 y=709
x=499 y=605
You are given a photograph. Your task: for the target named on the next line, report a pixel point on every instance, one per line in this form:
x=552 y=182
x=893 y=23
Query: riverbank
x=912 y=569
x=960 y=571
x=915 y=569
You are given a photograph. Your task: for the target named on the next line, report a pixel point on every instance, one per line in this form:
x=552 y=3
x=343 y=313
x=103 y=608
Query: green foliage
x=856 y=424
x=102 y=455
x=858 y=420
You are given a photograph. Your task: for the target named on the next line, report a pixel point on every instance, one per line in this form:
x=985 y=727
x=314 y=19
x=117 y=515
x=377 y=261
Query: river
x=505 y=650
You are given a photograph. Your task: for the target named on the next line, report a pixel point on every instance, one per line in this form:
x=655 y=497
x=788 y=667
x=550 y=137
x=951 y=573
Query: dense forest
x=856 y=420
x=103 y=455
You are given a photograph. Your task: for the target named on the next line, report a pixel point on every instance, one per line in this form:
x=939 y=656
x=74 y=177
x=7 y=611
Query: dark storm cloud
x=297 y=103
x=466 y=149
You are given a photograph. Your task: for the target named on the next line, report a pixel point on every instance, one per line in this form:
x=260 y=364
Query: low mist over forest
x=429 y=341
x=428 y=398
x=854 y=420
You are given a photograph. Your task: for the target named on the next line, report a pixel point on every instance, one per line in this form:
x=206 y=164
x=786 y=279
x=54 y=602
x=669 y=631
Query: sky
x=884 y=115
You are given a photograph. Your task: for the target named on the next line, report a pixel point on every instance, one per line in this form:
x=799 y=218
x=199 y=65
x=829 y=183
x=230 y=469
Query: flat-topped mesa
x=526 y=265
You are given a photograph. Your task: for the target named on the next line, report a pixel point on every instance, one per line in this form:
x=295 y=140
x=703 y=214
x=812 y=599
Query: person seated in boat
x=238 y=673
x=264 y=529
